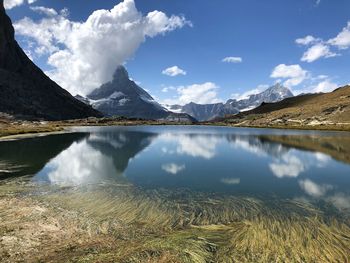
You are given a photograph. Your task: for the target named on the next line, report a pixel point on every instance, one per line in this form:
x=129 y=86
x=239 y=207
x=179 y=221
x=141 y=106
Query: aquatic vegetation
x=125 y=224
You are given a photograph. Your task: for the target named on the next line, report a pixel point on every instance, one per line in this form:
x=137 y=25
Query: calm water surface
x=259 y=163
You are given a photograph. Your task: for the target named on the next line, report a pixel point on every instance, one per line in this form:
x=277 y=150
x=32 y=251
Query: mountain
x=25 y=91
x=322 y=110
x=123 y=97
x=204 y=112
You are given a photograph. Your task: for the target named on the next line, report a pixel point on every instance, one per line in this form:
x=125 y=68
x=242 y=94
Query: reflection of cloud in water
x=173 y=168
x=341 y=201
x=79 y=164
x=313 y=189
x=203 y=146
x=322 y=159
x=288 y=166
x=231 y=181
x=293 y=163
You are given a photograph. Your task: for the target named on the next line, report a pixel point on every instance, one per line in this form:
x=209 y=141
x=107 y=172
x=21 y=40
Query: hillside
x=324 y=111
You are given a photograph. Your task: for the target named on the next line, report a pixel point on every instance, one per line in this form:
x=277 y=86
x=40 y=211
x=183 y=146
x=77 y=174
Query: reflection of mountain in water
x=258 y=144
x=121 y=146
x=102 y=156
x=338 y=147
x=28 y=156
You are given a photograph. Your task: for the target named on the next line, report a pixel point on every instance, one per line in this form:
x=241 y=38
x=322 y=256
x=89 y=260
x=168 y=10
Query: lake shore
x=11 y=129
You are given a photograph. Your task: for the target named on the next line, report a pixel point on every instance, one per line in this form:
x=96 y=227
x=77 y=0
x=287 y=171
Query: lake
x=186 y=176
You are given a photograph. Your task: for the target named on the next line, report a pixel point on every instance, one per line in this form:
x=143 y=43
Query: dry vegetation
x=119 y=223
x=12 y=128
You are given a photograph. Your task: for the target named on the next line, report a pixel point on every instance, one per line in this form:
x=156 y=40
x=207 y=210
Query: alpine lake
x=176 y=194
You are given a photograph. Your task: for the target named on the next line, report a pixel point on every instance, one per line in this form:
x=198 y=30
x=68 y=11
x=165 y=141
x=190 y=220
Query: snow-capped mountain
x=204 y=112
x=123 y=97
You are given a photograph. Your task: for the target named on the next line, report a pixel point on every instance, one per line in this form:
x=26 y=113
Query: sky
x=188 y=50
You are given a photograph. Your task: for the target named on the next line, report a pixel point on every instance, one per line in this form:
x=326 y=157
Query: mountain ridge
x=205 y=112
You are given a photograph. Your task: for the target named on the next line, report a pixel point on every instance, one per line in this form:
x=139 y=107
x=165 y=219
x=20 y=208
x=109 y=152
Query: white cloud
x=174 y=71
x=317 y=51
x=325 y=86
x=342 y=40
x=9 y=4
x=85 y=54
x=44 y=10
x=321 y=48
x=232 y=60
x=205 y=93
x=246 y=94
x=294 y=74
x=307 y=40
x=173 y=168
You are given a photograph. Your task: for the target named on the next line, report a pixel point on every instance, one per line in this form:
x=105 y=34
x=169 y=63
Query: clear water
x=225 y=161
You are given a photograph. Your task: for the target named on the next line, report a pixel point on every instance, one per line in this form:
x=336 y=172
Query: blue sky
x=260 y=35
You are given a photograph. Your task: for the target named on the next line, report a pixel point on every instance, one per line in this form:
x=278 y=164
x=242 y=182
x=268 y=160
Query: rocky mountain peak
x=121 y=74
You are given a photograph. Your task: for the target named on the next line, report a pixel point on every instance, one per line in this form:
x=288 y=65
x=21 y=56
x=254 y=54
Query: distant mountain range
x=322 y=110
x=25 y=91
x=123 y=97
x=205 y=112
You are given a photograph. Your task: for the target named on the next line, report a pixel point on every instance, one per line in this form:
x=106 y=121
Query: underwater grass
x=120 y=223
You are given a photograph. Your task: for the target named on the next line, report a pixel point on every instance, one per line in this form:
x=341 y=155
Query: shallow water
x=229 y=161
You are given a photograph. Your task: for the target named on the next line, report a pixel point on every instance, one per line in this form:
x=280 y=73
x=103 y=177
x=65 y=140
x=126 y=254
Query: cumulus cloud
x=84 y=55
x=294 y=74
x=173 y=168
x=232 y=60
x=342 y=40
x=174 y=71
x=306 y=40
x=325 y=86
x=316 y=52
x=205 y=93
x=322 y=49
x=9 y=4
x=44 y=10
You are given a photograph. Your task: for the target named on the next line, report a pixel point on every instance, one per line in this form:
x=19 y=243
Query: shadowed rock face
x=25 y=91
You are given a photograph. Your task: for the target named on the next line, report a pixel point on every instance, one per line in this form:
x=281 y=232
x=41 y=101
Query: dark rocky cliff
x=25 y=91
